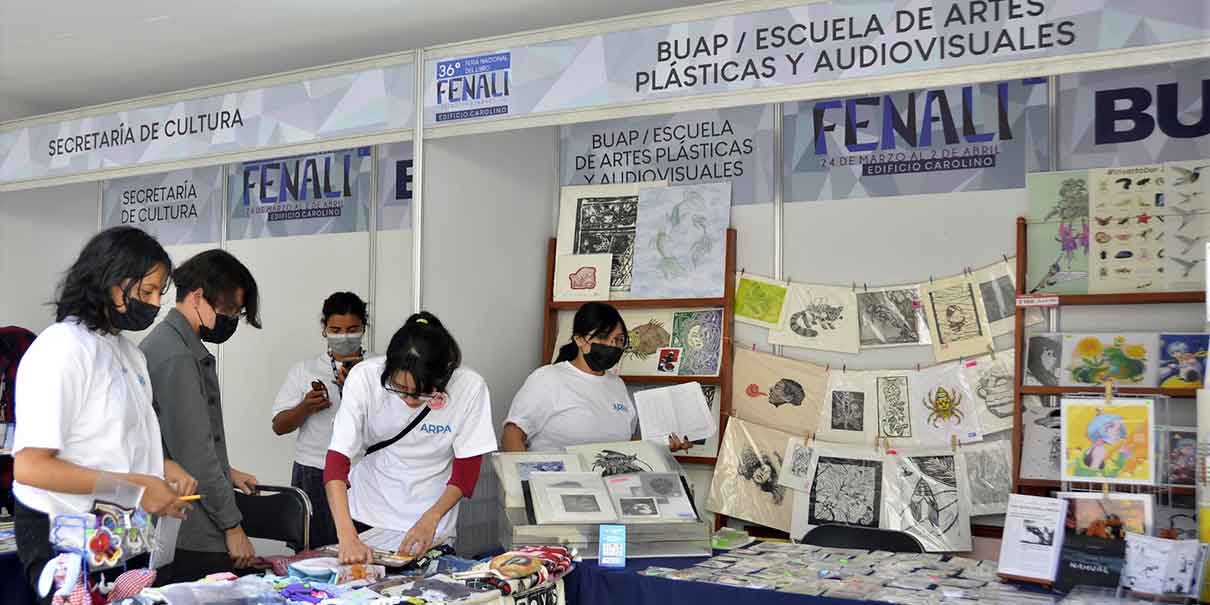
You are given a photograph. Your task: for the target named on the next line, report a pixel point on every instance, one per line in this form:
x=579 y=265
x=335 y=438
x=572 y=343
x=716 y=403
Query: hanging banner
x=735 y=145
x=301 y=195
x=815 y=42
x=943 y=140
x=1139 y=115
x=178 y=207
x=395 y=174
x=365 y=102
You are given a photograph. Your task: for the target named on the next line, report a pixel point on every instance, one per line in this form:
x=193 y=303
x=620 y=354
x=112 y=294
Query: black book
x=1090 y=561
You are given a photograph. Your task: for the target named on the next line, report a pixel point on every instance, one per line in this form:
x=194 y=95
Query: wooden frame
x=550 y=332
x=1042 y=487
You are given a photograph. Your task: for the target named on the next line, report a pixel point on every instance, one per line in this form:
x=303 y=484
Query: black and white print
x=663 y=485
x=927 y=501
x=848 y=410
x=796 y=465
x=999 y=298
x=991 y=381
x=1043 y=360
x=846 y=491
x=639 y=507
x=762 y=470
x=889 y=317
x=607 y=225
x=989 y=469
x=894 y=418
x=1041 y=442
x=1038 y=533
x=580 y=503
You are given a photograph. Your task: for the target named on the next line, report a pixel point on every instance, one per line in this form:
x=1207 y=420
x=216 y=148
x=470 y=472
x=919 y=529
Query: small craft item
x=514 y=565
x=304 y=592
x=321 y=569
x=359 y=572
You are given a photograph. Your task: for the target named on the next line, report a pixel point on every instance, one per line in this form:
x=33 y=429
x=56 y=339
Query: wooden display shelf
x=1131 y=298
x=1174 y=393
x=1179 y=490
x=646 y=303
x=667 y=380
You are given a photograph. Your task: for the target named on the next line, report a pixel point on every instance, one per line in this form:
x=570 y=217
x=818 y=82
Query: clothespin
x=886 y=445
x=917 y=367
x=1105 y=491
x=742 y=270
x=787 y=280
x=844 y=369
x=828 y=370
x=854 y=286
x=1005 y=257
x=930 y=279
x=992 y=349
x=954 y=442
x=866 y=286
x=753 y=346
x=1108 y=390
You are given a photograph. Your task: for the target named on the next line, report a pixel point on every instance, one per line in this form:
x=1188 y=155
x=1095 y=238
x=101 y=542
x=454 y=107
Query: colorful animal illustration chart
x=1127 y=249
x=776 y=391
x=681 y=241
x=1109 y=443
x=1125 y=358
x=956 y=320
x=1058 y=232
x=943 y=405
x=818 y=317
x=758 y=300
x=1186 y=223
x=746 y=483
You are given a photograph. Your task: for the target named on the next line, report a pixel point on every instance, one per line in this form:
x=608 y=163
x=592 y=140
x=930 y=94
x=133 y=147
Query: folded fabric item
x=305 y=592
x=320 y=569
x=557 y=559
x=131 y=583
x=431 y=590
x=508 y=586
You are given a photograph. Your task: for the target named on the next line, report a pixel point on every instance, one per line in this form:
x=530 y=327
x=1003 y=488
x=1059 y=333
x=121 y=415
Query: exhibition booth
x=937 y=243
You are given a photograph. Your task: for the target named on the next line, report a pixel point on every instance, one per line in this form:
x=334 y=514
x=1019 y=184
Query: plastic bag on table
x=115 y=530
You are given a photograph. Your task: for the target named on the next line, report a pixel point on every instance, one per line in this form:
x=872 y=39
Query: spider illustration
x=943 y=406
x=611 y=462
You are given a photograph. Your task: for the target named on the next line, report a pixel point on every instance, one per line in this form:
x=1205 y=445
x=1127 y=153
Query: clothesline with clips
x=966 y=271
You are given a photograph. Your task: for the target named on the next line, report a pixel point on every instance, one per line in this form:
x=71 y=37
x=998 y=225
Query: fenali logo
x=902 y=135
x=300 y=179
x=1125 y=115
x=434 y=429
x=479 y=84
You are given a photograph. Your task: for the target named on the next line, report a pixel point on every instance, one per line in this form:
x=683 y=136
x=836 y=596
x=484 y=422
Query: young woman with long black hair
x=420 y=424
x=576 y=400
x=84 y=397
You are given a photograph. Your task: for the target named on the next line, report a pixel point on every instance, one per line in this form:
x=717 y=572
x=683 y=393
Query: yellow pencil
x=192 y=498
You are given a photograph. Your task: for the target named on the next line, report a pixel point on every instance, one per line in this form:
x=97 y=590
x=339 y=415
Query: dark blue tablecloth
x=591 y=584
x=13 y=588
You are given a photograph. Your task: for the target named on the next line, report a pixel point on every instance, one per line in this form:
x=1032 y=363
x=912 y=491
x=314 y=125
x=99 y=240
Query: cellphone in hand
x=319 y=386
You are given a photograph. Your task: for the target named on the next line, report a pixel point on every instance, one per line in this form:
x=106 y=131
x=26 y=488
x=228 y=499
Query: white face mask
x=344 y=344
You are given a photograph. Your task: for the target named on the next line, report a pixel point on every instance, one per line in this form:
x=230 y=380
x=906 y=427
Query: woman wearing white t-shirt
x=83 y=397
x=420 y=425
x=309 y=398
x=576 y=400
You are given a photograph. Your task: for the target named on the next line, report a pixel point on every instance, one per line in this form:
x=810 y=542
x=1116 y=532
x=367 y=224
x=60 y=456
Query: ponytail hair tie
x=421 y=320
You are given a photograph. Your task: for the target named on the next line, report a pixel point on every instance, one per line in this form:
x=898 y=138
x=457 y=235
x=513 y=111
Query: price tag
x=1037 y=300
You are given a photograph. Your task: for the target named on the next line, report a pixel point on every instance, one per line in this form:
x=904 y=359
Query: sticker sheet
x=989 y=474
x=891 y=317
x=943 y=405
x=1129 y=359
x=1126 y=252
x=1041 y=440
x=956 y=319
x=928 y=497
x=997 y=287
x=991 y=381
x=1058 y=232
x=848 y=413
x=680 y=248
x=818 y=317
x=746 y=481
x=1108 y=443
x=1043 y=359
x=846 y=487
x=758 y=300
x=1182 y=362
x=776 y=391
x=582 y=277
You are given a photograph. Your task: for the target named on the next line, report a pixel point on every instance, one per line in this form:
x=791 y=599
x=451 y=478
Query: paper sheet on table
x=1033 y=537
x=679 y=410
x=385 y=540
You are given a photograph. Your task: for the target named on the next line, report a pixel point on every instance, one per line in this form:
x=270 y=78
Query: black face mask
x=602 y=357
x=138 y=316
x=224 y=328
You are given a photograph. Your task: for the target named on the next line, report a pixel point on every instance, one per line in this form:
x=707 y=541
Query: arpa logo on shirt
x=434 y=429
x=619 y=407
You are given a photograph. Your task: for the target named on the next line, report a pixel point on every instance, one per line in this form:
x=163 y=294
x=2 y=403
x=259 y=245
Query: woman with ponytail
x=420 y=424
x=576 y=400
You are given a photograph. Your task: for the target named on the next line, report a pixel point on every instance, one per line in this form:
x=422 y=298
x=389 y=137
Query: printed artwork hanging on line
x=776 y=391
x=955 y=318
x=818 y=317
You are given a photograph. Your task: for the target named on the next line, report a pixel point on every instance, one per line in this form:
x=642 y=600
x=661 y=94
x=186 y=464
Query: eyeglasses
x=409 y=395
x=619 y=342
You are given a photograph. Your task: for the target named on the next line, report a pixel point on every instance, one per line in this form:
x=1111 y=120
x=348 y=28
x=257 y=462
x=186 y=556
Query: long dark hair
x=112 y=256
x=426 y=350
x=593 y=320
x=219 y=274
x=345 y=303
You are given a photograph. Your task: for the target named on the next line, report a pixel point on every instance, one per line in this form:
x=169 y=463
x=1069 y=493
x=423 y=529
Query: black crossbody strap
x=407 y=429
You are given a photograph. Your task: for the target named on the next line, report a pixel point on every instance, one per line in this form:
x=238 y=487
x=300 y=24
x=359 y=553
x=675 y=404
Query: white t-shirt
x=88 y=396
x=393 y=487
x=311 y=445
x=560 y=405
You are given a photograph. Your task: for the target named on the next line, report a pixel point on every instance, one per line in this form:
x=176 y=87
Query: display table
x=591 y=584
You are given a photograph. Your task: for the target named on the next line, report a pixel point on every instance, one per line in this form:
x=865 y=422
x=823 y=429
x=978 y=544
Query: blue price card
x=613 y=546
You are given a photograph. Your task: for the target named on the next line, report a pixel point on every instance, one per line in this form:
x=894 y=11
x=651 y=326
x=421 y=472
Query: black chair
x=850 y=536
x=277 y=513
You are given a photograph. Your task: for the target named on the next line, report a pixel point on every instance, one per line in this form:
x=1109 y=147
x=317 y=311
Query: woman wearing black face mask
x=576 y=400
x=213 y=290
x=83 y=397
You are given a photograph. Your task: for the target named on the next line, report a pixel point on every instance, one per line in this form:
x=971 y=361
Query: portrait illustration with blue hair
x=1104 y=431
x=1109 y=441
